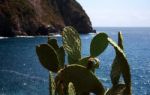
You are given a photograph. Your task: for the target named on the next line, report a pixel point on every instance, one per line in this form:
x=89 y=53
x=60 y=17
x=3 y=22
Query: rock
x=74 y=15
x=31 y=17
x=45 y=30
x=5 y=26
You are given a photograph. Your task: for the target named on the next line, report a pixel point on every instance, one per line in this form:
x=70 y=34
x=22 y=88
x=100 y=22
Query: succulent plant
x=77 y=77
x=52 y=86
x=120 y=67
x=116 y=66
x=85 y=82
x=48 y=57
x=72 y=44
x=99 y=44
x=71 y=89
x=59 y=50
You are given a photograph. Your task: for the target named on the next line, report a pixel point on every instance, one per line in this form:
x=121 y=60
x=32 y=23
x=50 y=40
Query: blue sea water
x=22 y=74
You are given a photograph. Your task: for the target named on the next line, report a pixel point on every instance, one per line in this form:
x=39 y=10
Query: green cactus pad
x=115 y=71
x=71 y=89
x=99 y=44
x=116 y=66
x=83 y=80
x=60 y=51
x=51 y=84
x=116 y=47
x=120 y=40
x=48 y=57
x=53 y=43
x=61 y=56
x=125 y=69
x=72 y=44
x=119 y=89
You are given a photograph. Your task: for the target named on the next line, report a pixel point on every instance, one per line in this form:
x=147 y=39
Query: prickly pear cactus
x=124 y=68
x=61 y=56
x=51 y=84
x=116 y=66
x=48 y=57
x=99 y=44
x=90 y=63
x=53 y=43
x=118 y=89
x=85 y=82
x=72 y=44
x=78 y=76
x=59 y=50
x=71 y=89
x=120 y=40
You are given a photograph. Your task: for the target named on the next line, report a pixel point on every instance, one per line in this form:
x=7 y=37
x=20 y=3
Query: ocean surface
x=22 y=74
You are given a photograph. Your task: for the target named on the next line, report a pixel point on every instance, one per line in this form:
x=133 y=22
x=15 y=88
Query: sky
x=118 y=13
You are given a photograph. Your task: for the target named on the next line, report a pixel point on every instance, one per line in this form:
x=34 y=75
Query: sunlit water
x=22 y=74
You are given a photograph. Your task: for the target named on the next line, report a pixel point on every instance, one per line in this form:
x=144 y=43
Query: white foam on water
x=57 y=35
x=92 y=33
x=3 y=37
x=25 y=36
x=51 y=35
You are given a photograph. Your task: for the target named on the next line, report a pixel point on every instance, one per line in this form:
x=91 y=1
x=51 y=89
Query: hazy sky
x=118 y=12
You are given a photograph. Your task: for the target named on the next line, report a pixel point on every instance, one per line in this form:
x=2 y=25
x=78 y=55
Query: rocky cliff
x=38 y=17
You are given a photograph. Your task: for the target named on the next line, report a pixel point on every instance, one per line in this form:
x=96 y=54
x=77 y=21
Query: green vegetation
x=78 y=76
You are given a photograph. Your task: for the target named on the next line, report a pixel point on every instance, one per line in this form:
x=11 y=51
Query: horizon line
x=124 y=26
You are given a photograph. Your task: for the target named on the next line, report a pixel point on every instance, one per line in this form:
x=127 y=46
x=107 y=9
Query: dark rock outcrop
x=74 y=15
x=38 y=17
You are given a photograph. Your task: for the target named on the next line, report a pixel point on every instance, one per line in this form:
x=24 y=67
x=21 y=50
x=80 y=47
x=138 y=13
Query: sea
x=22 y=74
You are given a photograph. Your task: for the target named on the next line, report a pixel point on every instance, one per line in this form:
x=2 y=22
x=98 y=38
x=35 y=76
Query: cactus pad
x=72 y=44
x=117 y=90
x=125 y=69
x=98 y=44
x=53 y=43
x=48 y=57
x=71 y=89
x=116 y=66
x=83 y=80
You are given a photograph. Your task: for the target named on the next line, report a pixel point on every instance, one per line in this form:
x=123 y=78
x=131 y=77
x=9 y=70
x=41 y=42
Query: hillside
x=38 y=17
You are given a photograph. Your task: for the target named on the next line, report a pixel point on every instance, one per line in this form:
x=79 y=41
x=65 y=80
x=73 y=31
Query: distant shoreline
x=117 y=27
x=95 y=28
